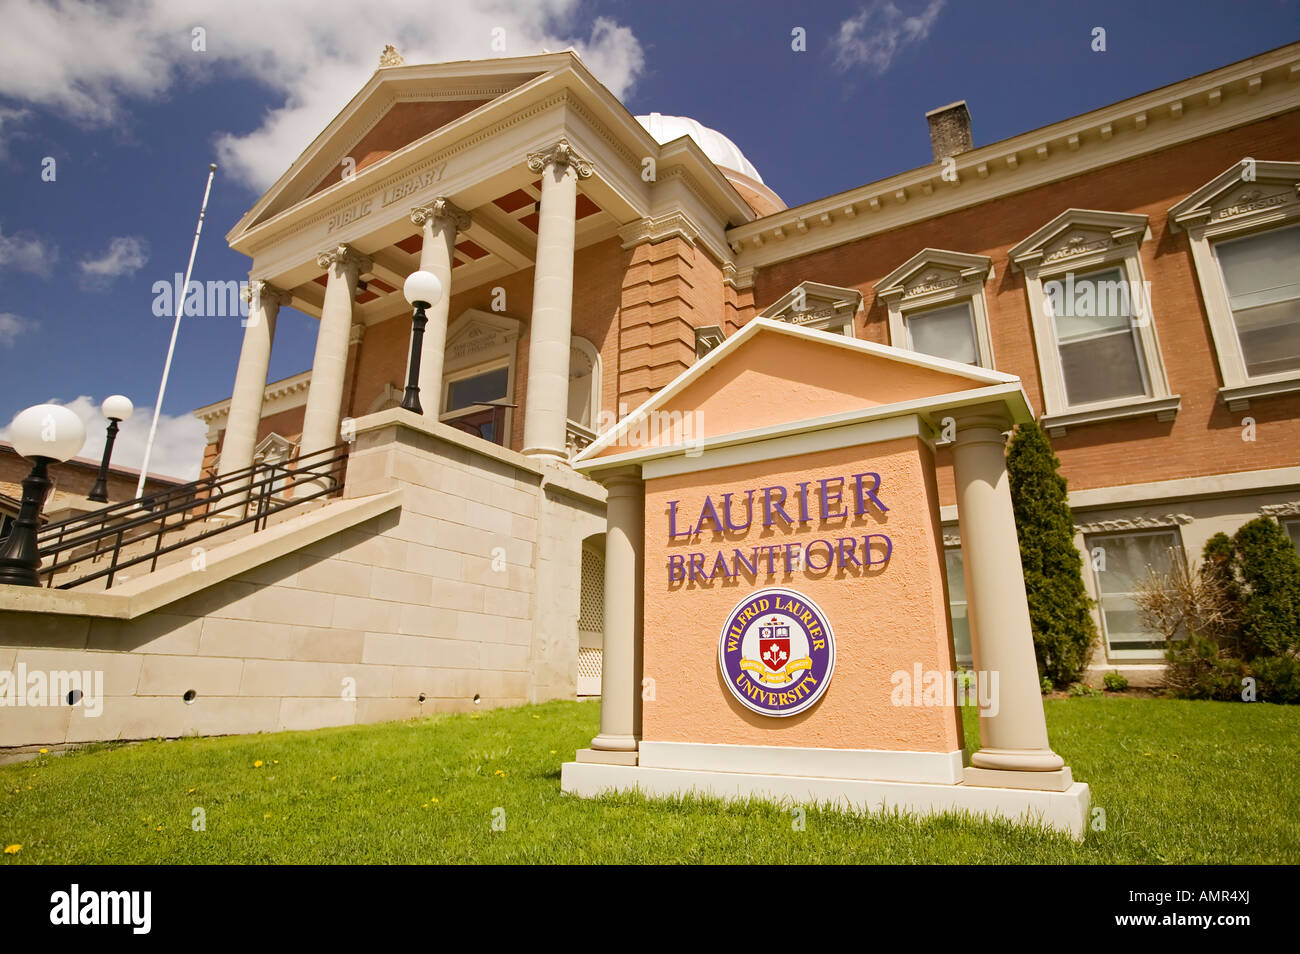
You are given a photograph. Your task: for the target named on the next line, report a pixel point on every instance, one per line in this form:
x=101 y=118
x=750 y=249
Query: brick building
x=1175 y=407
x=1134 y=266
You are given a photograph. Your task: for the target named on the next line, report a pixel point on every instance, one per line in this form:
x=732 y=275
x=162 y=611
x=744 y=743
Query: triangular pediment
x=1078 y=232
x=1249 y=189
x=398 y=107
x=773 y=376
x=932 y=270
x=479 y=333
x=813 y=301
x=273 y=447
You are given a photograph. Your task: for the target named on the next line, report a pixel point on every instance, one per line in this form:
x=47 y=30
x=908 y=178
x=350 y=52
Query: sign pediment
x=1076 y=233
x=1250 y=189
x=772 y=376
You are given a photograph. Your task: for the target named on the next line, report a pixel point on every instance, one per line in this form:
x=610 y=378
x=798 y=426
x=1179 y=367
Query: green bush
x=1082 y=689
x=1277 y=679
x=1267 y=567
x=1242 y=603
x=1045 y=684
x=1199 y=669
x=1059 y=607
x=1114 y=682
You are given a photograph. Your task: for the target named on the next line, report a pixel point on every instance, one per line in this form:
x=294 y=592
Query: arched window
x=584 y=384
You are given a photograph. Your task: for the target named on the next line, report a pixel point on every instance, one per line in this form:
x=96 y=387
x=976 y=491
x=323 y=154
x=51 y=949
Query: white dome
x=720 y=150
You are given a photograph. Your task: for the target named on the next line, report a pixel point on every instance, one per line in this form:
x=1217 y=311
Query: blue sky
x=132 y=115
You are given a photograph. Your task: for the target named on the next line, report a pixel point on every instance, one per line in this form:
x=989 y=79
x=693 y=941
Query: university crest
x=777 y=652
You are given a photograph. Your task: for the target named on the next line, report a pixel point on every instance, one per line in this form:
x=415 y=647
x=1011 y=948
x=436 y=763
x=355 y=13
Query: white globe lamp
x=423 y=290
x=44 y=433
x=117 y=408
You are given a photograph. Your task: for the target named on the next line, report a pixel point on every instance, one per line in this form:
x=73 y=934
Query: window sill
x=1164 y=409
x=1239 y=398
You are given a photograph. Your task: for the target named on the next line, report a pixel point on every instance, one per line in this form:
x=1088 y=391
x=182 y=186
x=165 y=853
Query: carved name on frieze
x=811 y=314
x=1252 y=200
x=394 y=193
x=929 y=284
x=1077 y=245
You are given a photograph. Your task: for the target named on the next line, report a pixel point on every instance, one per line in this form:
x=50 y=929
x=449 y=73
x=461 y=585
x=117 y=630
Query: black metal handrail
x=257 y=492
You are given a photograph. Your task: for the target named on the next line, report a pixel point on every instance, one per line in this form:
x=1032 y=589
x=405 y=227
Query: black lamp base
x=20 y=560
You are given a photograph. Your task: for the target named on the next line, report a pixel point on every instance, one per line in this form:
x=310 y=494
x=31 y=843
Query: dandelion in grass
x=44 y=751
x=257 y=764
x=499 y=773
x=13 y=849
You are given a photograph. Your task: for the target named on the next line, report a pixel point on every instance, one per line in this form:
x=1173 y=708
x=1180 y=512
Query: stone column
x=620 y=673
x=245 y=413
x=320 y=424
x=1015 y=738
x=439 y=222
x=547 y=400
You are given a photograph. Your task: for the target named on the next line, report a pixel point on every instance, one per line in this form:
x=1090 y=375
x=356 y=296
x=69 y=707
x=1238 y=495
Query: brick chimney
x=950 y=130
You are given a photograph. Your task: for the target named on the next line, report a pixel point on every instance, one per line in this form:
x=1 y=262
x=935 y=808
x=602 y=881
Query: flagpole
x=176 y=327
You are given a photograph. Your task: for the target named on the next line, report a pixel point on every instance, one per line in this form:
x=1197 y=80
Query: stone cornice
x=298 y=384
x=658 y=228
x=1124 y=524
x=1289 y=509
x=1242 y=93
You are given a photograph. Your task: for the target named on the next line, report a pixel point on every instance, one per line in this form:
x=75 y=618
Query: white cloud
x=177 y=448
x=84 y=59
x=874 y=37
x=126 y=255
x=9 y=117
x=11 y=326
x=24 y=252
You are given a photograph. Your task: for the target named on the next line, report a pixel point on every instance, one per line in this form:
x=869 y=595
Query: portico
x=502 y=178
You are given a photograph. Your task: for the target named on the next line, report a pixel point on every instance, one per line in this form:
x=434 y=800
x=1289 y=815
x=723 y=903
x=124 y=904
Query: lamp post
x=117 y=409
x=422 y=290
x=44 y=433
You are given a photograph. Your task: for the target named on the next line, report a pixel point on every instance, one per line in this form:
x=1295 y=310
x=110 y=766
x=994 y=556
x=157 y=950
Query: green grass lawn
x=1186 y=782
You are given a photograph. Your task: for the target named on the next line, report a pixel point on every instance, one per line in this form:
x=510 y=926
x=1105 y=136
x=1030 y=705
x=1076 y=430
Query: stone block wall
x=466 y=595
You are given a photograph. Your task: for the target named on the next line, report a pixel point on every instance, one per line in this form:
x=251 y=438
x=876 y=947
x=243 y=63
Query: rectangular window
x=947 y=332
x=957 y=605
x=1262 y=276
x=1292 y=528
x=477 y=389
x=1120 y=562
x=1101 y=357
x=468 y=407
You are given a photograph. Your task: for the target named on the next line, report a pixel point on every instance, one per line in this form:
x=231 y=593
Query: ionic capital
x=259 y=291
x=356 y=333
x=560 y=154
x=441 y=208
x=344 y=256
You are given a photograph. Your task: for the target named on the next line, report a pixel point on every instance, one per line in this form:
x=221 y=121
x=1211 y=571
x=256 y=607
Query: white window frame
x=479 y=342
x=966 y=661
x=1089 y=538
x=1249 y=198
x=588 y=350
x=825 y=307
x=1081 y=241
x=935 y=278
